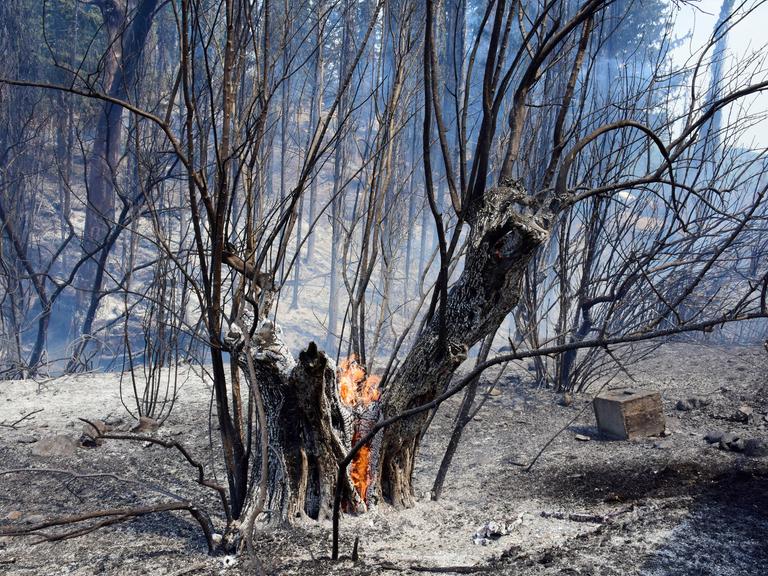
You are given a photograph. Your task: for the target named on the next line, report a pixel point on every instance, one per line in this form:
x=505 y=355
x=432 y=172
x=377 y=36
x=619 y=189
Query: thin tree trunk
x=316 y=108
x=462 y=419
x=337 y=200
x=122 y=65
x=411 y=217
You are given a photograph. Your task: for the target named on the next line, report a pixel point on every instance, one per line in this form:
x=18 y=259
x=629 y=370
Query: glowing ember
x=358 y=390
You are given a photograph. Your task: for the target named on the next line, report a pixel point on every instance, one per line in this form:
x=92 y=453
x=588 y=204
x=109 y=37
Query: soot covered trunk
x=507 y=227
x=314 y=414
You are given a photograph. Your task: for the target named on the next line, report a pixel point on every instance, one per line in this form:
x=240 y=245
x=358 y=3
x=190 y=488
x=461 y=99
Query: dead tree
x=278 y=449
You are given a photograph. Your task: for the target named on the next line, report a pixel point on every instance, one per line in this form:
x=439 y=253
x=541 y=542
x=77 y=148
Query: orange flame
x=357 y=390
x=360 y=473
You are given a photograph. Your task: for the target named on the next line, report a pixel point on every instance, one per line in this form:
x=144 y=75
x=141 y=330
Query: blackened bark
x=310 y=429
x=506 y=231
x=313 y=409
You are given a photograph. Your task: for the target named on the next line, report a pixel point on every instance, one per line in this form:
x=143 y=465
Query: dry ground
x=673 y=505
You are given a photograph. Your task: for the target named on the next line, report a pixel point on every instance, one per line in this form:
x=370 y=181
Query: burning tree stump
x=360 y=393
x=310 y=424
x=315 y=414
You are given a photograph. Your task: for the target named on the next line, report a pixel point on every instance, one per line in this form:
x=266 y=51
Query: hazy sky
x=748 y=36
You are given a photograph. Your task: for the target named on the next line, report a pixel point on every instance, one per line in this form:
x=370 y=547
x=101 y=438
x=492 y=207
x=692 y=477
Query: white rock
x=51 y=446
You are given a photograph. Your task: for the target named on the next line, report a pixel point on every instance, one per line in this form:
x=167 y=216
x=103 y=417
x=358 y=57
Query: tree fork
x=507 y=228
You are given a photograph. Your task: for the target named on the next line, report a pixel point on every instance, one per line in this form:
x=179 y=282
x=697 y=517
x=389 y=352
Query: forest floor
x=655 y=506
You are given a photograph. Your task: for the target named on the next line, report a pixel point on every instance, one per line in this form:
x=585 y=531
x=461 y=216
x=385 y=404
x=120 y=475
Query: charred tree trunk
x=506 y=231
x=310 y=429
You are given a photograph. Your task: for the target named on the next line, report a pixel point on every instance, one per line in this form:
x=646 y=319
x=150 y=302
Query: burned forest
x=384 y=287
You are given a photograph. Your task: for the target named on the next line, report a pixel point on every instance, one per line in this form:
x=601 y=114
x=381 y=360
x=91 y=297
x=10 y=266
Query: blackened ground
x=672 y=505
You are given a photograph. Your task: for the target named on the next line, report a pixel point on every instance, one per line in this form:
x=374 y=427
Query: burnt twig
x=108 y=518
x=201 y=479
x=20 y=420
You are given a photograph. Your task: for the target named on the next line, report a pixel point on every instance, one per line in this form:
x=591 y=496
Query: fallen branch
x=20 y=420
x=201 y=479
x=576 y=517
x=110 y=517
x=95 y=475
x=588 y=517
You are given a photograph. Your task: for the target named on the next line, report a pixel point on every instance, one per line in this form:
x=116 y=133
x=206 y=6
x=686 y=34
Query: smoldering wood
x=310 y=429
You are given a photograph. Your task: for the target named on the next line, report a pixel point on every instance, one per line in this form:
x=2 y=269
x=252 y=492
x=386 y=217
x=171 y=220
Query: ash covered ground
x=676 y=504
